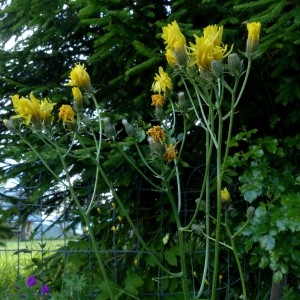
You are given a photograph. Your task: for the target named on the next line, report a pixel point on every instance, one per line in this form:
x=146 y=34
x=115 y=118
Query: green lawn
x=16 y=258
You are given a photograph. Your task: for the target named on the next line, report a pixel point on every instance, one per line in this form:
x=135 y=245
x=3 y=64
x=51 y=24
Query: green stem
x=219 y=206
x=207 y=204
x=236 y=258
x=82 y=212
x=90 y=230
x=181 y=243
x=144 y=160
x=130 y=222
x=133 y=164
x=242 y=88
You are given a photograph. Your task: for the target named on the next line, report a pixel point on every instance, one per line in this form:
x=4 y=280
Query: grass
x=16 y=258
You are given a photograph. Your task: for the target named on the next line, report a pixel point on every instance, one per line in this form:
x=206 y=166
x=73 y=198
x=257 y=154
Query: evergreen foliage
x=120 y=42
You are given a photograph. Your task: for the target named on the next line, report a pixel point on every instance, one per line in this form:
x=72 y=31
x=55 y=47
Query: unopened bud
x=225 y=196
x=130 y=130
x=206 y=76
x=250 y=212
x=253 y=37
x=159 y=113
x=235 y=64
x=11 y=124
x=156 y=146
x=182 y=102
x=217 y=68
x=109 y=129
x=197 y=228
x=77 y=95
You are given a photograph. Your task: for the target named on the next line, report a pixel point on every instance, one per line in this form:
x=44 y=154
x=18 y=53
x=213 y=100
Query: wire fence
x=56 y=229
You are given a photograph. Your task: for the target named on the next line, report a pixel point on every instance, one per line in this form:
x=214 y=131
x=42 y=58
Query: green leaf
x=134 y=280
x=261 y=211
x=267 y=242
x=277 y=276
x=264 y=261
x=171 y=257
x=248 y=244
x=250 y=196
x=141 y=135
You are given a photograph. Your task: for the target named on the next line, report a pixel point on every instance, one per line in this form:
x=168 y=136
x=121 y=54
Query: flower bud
x=11 y=124
x=77 y=95
x=156 y=146
x=235 y=64
x=197 y=228
x=217 y=68
x=183 y=105
x=206 y=76
x=159 y=113
x=225 y=196
x=109 y=129
x=130 y=130
x=250 y=212
x=253 y=37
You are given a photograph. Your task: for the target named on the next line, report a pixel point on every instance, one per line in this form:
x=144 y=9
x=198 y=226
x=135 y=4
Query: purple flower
x=45 y=289
x=31 y=280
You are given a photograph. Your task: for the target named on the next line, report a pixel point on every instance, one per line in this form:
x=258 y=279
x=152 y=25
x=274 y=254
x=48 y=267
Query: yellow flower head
x=157 y=100
x=253 y=36
x=80 y=78
x=27 y=109
x=157 y=134
x=171 y=153
x=46 y=107
x=176 y=45
x=173 y=36
x=225 y=196
x=77 y=95
x=209 y=47
x=33 y=110
x=66 y=114
x=162 y=82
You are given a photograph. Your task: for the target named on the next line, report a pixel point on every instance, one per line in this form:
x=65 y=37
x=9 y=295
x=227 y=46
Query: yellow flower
x=66 y=114
x=77 y=95
x=171 y=153
x=209 y=47
x=114 y=229
x=157 y=134
x=225 y=196
x=253 y=36
x=220 y=278
x=173 y=36
x=33 y=110
x=27 y=109
x=157 y=100
x=176 y=44
x=46 y=107
x=162 y=82
x=80 y=78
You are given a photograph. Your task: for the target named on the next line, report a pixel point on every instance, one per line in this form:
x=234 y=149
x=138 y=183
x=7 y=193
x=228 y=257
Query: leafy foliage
x=121 y=42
